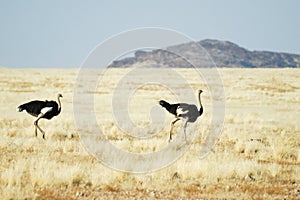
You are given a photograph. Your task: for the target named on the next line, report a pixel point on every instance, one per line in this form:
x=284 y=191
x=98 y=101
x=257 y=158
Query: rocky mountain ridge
x=222 y=53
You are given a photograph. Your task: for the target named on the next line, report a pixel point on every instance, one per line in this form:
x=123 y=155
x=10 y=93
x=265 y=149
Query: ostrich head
x=59 y=96
x=200 y=91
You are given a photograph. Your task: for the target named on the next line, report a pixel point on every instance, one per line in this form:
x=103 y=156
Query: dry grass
x=256 y=157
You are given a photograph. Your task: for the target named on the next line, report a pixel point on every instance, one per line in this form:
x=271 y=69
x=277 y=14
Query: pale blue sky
x=54 y=33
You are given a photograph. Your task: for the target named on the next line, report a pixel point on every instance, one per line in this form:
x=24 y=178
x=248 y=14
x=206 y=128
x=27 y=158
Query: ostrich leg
x=37 y=126
x=184 y=129
x=35 y=129
x=172 y=125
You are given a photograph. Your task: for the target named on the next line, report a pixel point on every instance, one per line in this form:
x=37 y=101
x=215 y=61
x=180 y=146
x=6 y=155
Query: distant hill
x=223 y=53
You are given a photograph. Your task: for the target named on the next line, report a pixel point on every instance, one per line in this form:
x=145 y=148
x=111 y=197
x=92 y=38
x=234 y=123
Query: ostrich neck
x=199 y=99
x=201 y=107
x=59 y=104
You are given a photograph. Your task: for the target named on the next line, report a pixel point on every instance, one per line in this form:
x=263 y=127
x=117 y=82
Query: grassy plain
x=257 y=156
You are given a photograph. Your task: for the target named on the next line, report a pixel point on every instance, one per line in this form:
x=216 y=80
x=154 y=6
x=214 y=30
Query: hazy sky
x=61 y=33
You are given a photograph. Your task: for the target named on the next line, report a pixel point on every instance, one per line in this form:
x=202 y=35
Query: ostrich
x=189 y=112
x=41 y=109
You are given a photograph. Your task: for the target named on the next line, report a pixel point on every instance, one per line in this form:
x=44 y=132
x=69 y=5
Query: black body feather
x=191 y=110
x=34 y=108
x=171 y=108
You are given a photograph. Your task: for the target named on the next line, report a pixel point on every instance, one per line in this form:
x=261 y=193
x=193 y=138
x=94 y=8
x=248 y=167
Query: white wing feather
x=180 y=111
x=46 y=109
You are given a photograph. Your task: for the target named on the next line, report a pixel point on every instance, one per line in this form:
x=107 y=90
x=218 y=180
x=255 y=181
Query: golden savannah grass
x=257 y=156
